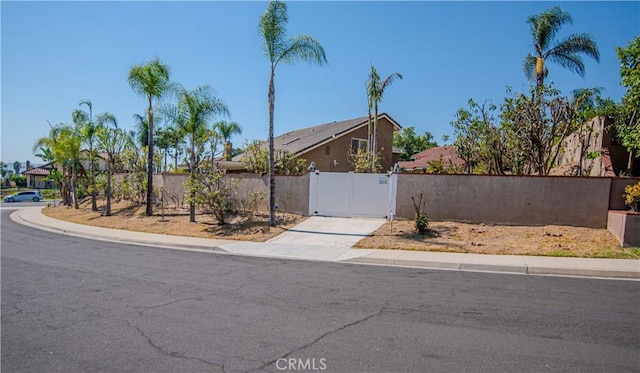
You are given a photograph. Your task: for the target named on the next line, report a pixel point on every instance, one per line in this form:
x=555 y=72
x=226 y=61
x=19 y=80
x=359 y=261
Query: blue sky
x=55 y=54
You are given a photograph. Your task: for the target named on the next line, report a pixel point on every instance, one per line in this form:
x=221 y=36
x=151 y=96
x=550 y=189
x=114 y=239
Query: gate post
x=313 y=192
x=391 y=198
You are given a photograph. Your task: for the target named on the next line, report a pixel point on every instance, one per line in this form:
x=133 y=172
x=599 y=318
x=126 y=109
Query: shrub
x=421 y=220
x=632 y=196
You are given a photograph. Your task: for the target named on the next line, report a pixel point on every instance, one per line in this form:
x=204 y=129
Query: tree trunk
x=74 y=186
x=150 y=167
x=109 y=170
x=192 y=166
x=92 y=177
x=272 y=173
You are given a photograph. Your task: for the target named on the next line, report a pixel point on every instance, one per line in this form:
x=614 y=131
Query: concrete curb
x=15 y=216
x=583 y=272
x=464 y=262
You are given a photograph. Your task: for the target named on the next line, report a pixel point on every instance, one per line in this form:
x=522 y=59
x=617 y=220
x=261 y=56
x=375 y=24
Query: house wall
x=598 y=136
x=512 y=200
x=340 y=149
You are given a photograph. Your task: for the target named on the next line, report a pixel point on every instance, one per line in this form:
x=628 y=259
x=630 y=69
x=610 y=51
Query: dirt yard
x=442 y=236
x=241 y=226
x=551 y=240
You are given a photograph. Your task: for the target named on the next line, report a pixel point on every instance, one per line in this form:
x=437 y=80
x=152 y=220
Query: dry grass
x=551 y=240
x=127 y=216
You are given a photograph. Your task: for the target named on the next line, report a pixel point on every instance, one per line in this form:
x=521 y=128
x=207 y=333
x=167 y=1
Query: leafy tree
x=627 y=120
x=375 y=90
x=256 y=160
x=364 y=162
x=16 y=167
x=4 y=171
x=192 y=113
x=539 y=125
x=210 y=191
x=566 y=53
x=279 y=48
x=112 y=141
x=66 y=142
x=226 y=130
x=150 y=80
x=412 y=143
x=478 y=140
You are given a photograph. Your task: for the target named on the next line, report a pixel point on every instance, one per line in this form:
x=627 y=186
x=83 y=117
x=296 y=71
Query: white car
x=32 y=195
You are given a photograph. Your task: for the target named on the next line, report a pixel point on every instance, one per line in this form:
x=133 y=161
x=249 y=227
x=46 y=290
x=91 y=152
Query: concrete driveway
x=328 y=231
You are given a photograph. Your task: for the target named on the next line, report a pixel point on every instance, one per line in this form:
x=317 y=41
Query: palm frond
x=273 y=29
x=303 y=48
x=529 y=66
x=570 y=61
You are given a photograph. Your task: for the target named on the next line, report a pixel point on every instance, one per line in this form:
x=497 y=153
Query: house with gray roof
x=331 y=145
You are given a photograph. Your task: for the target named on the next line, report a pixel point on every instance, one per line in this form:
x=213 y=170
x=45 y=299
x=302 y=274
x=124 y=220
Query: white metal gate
x=352 y=195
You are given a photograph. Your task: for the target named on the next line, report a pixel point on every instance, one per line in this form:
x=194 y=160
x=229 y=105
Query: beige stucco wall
x=290 y=190
x=625 y=226
x=514 y=200
x=340 y=149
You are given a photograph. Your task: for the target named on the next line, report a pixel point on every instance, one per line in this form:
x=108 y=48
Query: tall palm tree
x=279 y=48
x=192 y=113
x=225 y=130
x=566 y=52
x=375 y=90
x=88 y=129
x=110 y=140
x=150 y=80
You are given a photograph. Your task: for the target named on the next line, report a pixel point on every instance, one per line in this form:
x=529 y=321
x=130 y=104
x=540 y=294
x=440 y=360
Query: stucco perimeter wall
x=292 y=191
x=512 y=200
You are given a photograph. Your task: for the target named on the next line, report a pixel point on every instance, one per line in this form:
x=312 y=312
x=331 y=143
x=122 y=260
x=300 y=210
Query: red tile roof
x=37 y=171
x=421 y=160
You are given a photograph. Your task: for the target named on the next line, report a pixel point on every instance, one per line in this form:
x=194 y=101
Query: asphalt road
x=77 y=305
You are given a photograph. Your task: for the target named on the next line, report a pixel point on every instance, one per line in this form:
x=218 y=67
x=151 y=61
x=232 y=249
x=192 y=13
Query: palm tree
x=192 y=113
x=279 y=48
x=150 y=80
x=65 y=141
x=375 y=90
x=46 y=154
x=226 y=130
x=566 y=53
x=111 y=140
x=88 y=129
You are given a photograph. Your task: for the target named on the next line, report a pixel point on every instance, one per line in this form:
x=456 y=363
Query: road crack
x=174 y=354
x=354 y=323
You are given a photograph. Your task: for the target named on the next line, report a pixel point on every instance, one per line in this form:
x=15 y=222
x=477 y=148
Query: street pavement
x=72 y=304
x=331 y=239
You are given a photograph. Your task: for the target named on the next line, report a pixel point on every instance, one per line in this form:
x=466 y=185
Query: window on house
x=327 y=150
x=357 y=144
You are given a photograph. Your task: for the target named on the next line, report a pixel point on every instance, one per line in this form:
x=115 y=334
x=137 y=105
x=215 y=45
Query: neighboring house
x=100 y=161
x=602 y=155
x=331 y=145
x=421 y=162
x=36 y=176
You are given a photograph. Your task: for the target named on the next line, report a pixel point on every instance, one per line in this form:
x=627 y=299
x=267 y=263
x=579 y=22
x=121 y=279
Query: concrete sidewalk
x=297 y=245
